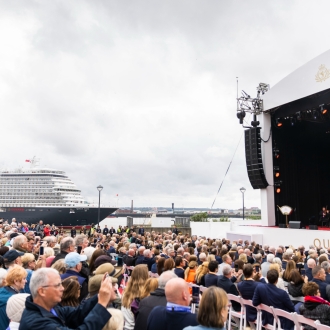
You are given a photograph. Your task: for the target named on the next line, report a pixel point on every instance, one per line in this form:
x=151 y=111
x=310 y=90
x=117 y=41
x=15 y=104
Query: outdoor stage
x=287 y=143
x=253 y=230
x=276 y=236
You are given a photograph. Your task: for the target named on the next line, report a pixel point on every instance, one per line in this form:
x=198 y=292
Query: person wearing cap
x=14 y=309
x=42 y=309
x=73 y=261
x=12 y=258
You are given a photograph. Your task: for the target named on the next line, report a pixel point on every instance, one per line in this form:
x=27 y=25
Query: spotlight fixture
x=255 y=123
x=276 y=171
x=323 y=110
x=316 y=114
x=276 y=153
x=277 y=186
x=278 y=122
x=298 y=115
x=240 y=115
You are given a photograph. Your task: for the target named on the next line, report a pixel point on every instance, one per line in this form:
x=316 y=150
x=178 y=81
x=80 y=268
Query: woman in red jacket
x=47 y=230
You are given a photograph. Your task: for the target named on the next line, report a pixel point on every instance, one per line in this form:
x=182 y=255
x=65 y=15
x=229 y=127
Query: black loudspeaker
x=253 y=158
x=294 y=224
x=313 y=227
x=282 y=225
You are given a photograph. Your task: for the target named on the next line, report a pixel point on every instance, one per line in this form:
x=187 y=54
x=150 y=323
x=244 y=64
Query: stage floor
x=275 y=236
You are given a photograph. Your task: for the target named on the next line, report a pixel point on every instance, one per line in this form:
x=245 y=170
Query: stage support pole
x=267 y=195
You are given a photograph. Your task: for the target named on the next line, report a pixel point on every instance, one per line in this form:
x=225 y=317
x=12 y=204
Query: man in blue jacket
x=43 y=312
x=176 y=315
x=270 y=295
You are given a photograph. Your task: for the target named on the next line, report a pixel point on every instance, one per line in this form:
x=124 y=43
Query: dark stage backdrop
x=305 y=169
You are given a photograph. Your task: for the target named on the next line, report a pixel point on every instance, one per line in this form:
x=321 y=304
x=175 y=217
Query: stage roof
x=311 y=78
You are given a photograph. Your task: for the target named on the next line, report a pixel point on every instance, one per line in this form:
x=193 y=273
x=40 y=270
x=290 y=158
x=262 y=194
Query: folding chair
x=301 y=320
x=290 y=316
x=232 y=313
x=320 y=326
x=268 y=309
x=202 y=288
x=126 y=275
x=257 y=323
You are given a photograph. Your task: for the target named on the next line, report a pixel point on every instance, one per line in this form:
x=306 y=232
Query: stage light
x=292 y=121
x=276 y=153
x=276 y=171
x=255 y=123
x=298 y=115
x=240 y=115
x=323 y=110
x=316 y=114
x=278 y=122
x=277 y=186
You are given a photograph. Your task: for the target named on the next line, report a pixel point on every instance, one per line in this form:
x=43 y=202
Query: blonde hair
x=210 y=257
x=275 y=266
x=135 y=285
x=243 y=257
x=28 y=257
x=202 y=270
x=151 y=285
x=48 y=252
x=60 y=266
x=16 y=273
x=116 y=321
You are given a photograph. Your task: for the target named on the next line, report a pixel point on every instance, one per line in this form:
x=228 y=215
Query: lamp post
x=243 y=190
x=99 y=188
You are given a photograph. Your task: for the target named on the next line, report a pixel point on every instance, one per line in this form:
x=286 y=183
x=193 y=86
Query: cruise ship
x=34 y=194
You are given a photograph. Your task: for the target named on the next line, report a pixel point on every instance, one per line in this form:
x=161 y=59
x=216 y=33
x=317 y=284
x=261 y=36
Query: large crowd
x=135 y=278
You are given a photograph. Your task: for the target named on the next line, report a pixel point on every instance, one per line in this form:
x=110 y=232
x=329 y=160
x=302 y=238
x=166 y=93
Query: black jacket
x=59 y=256
x=295 y=290
x=88 y=316
x=156 y=298
x=315 y=311
x=227 y=285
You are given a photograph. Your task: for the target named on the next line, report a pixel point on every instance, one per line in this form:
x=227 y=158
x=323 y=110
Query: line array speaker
x=253 y=158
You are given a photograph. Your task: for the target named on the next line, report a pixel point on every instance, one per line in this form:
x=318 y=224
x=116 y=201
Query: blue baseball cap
x=12 y=255
x=72 y=259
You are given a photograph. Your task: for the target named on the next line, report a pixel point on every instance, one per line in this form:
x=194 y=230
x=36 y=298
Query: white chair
x=232 y=313
x=202 y=288
x=265 y=308
x=320 y=326
x=257 y=323
x=301 y=320
x=281 y=313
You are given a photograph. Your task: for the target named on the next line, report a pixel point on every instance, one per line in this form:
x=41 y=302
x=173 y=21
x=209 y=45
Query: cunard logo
x=323 y=74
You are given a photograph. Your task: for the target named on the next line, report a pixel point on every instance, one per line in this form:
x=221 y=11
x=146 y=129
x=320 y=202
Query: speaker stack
x=253 y=158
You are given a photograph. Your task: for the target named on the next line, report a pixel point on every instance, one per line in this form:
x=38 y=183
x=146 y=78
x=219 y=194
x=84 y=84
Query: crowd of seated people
x=132 y=278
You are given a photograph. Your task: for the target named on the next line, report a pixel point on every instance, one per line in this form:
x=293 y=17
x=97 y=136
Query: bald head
x=177 y=292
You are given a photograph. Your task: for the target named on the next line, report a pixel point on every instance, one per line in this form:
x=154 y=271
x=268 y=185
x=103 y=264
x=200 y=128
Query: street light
x=243 y=190
x=99 y=188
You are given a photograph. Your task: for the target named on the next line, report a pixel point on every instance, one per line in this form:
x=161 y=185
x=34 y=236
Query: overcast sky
x=139 y=96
